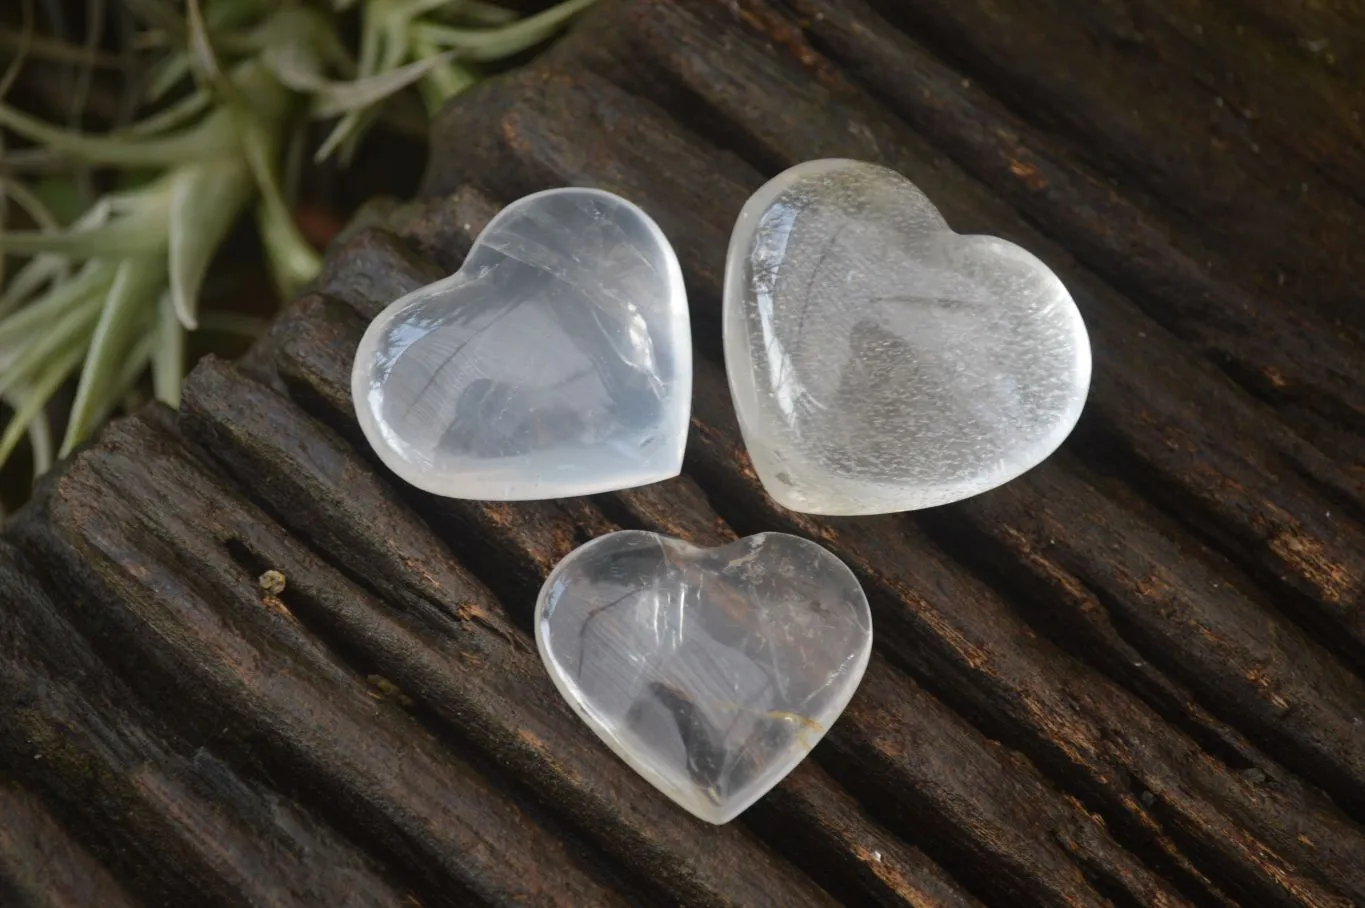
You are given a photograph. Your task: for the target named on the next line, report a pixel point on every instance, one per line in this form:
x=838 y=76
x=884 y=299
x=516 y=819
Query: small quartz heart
x=712 y=672
x=556 y=362
x=881 y=362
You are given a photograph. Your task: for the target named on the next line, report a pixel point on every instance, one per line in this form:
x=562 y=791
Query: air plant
x=109 y=296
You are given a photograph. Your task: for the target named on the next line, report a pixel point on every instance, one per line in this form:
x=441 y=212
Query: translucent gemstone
x=712 y=672
x=557 y=361
x=881 y=362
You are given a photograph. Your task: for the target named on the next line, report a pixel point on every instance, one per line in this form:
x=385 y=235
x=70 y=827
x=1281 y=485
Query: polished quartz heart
x=881 y=362
x=712 y=672
x=556 y=362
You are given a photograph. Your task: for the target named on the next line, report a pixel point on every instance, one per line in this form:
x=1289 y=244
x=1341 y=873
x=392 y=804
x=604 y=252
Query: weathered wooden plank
x=975 y=652
x=1282 y=353
x=479 y=672
x=565 y=93
x=857 y=859
x=1197 y=444
x=1285 y=99
x=240 y=424
x=816 y=119
x=1200 y=622
x=183 y=826
x=161 y=559
x=1132 y=115
x=1009 y=833
x=41 y=866
x=1330 y=35
x=1124 y=678
x=1343 y=765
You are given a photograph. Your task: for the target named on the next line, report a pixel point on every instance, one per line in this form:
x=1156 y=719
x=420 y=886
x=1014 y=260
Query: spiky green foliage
x=108 y=297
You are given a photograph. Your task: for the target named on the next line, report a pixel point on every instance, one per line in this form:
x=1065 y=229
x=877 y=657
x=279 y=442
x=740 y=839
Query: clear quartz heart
x=712 y=672
x=556 y=362
x=881 y=362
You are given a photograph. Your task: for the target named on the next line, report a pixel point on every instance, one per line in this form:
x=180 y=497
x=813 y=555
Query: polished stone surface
x=881 y=362
x=556 y=362
x=712 y=672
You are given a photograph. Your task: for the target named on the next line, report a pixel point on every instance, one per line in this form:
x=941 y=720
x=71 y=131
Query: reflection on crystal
x=556 y=362
x=881 y=362
x=712 y=672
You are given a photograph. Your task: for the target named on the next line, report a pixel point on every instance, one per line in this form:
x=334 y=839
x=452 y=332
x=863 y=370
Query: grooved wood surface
x=1135 y=676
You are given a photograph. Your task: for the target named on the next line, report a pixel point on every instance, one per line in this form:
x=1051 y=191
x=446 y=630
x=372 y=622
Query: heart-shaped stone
x=556 y=362
x=881 y=362
x=712 y=672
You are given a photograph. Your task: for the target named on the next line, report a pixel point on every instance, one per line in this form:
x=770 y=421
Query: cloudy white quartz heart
x=712 y=672
x=556 y=362
x=881 y=362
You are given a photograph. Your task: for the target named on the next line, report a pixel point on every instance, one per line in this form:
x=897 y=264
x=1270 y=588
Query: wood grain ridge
x=1132 y=677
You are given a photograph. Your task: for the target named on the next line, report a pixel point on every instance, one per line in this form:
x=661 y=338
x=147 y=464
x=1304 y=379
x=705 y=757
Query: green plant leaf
x=57 y=51
x=39 y=438
x=497 y=43
x=21 y=328
x=72 y=327
x=346 y=97
x=348 y=128
x=126 y=314
x=207 y=140
x=292 y=261
x=383 y=47
x=407 y=10
x=33 y=275
x=295 y=66
x=169 y=72
x=42 y=269
x=443 y=82
x=23 y=43
x=203 y=59
x=134 y=234
x=168 y=354
x=35 y=398
x=174 y=116
x=31 y=202
x=205 y=201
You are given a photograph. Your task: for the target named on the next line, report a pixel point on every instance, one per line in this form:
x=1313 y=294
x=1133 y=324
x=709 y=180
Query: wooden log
x=1133 y=117
x=42 y=866
x=1142 y=404
x=533 y=122
x=1229 y=744
x=997 y=828
x=482 y=677
x=1329 y=35
x=1186 y=610
x=1125 y=678
x=184 y=826
x=1287 y=100
x=161 y=560
x=857 y=859
x=240 y=425
x=1282 y=353
x=977 y=654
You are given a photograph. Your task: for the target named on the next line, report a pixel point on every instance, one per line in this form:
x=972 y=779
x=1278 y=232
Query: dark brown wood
x=987 y=819
x=1120 y=87
x=40 y=864
x=1280 y=352
x=186 y=825
x=1131 y=677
